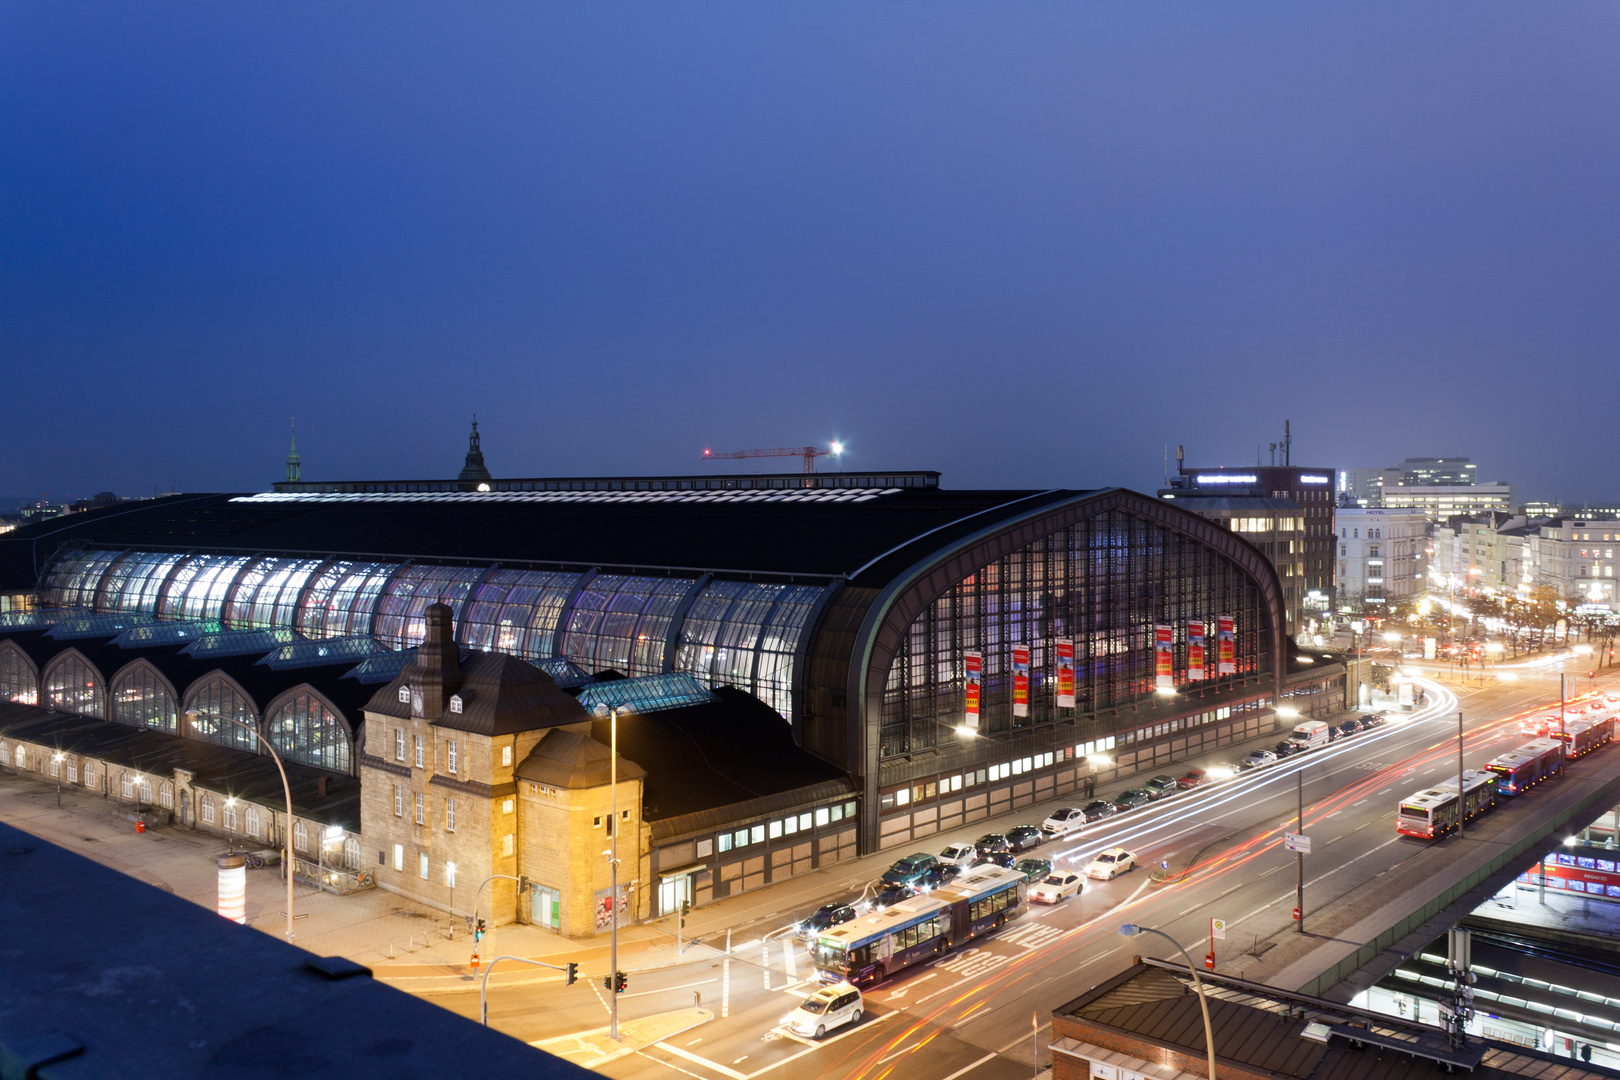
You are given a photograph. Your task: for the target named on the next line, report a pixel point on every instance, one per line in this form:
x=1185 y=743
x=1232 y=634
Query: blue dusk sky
x=1024 y=244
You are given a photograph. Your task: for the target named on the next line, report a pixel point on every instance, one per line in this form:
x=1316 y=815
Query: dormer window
x=455 y=703
x=405 y=695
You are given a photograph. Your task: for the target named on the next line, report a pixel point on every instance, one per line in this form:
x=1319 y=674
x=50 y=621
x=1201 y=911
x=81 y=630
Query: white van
x=827 y=1008
x=1311 y=734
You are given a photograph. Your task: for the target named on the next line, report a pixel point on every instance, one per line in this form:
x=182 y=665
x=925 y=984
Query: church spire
x=473 y=472
x=295 y=470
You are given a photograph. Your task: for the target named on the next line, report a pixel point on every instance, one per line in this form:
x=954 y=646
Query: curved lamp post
x=1131 y=930
x=192 y=716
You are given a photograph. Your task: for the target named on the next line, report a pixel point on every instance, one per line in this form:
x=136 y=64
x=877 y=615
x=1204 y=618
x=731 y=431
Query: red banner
x=1195 y=650
x=1164 y=639
x=1226 y=645
x=1020 y=663
x=1065 y=674
x=974 y=665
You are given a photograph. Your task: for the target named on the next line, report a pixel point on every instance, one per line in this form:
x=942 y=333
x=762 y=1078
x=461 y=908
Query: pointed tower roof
x=474 y=472
x=295 y=470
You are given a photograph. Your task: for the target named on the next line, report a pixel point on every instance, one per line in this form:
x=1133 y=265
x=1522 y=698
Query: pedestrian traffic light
x=619 y=982
x=573 y=972
x=478 y=931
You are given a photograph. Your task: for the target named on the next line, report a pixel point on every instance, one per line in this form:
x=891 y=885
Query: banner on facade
x=1195 y=650
x=1226 y=645
x=1065 y=674
x=973 y=663
x=1164 y=640
x=1020 y=664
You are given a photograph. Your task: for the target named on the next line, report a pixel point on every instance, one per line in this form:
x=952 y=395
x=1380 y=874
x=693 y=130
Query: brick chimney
x=438 y=669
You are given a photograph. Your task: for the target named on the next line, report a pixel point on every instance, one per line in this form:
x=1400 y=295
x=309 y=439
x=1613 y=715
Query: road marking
x=912 y=985
x=667 y=989
x=740 y=1060
x=787 y=960
x=1362 y=801
x=725 y=988
x=1032 y=935
x=975 y=1065
x=723 y=1070
x=973 y=963
x=849 y=1029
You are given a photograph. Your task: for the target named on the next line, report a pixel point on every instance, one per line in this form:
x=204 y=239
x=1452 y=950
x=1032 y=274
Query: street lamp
x=1131 y=930
x=192 y=716
x=612 y=854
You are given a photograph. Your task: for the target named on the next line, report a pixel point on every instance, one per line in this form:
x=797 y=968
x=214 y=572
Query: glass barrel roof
x=76 y=580
x=197 y=588
x=622 y=623
x=652 y=693
x=401 y=621
x=516 y=612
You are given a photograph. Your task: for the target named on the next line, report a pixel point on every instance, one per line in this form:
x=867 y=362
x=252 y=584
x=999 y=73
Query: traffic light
x=607 y=983
x=478 y=931
x=619 y=982
x=573 y=973
x=686 y=909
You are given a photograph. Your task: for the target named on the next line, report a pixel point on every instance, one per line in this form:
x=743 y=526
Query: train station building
x=806 y=668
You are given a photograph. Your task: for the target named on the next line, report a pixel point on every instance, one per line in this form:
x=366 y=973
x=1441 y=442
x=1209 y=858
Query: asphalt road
x=977 y=1014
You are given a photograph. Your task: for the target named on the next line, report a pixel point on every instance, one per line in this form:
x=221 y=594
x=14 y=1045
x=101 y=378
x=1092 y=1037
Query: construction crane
x=809 y=453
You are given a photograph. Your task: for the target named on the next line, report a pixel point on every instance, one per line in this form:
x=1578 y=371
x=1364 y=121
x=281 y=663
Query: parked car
x=1257 y=759
x=1370 y=720
x=1024 y=837
x=1097 y=809
x=830 y=1007
x=1063 y=820
x=890 y=895
x=1057 y=887
x=1192 y=778
x=1033 y=869
x=1003 y=859
x=1285 y=749
x=1131 y=799
x=991 y=842
x=824 y=918
x=910 y=870
x=959 y=855
x=1111 y=863
x=1349 y=727
x=1161 y=787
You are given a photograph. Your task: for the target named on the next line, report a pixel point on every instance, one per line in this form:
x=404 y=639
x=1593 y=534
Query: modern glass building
x=956 y=652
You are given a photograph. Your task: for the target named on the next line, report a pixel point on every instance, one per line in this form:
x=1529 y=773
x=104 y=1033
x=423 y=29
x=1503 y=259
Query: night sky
x=1026 y=244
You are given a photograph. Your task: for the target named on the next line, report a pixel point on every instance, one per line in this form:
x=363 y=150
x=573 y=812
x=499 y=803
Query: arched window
x=22 y=757
x=305 y=728
x=17 y=679
x=300 y=836
x=141 y=699
x=207 y=809
x=230 y=815
x=254 y=823
x=216 y=704
x=72 y=685
x=166 y=796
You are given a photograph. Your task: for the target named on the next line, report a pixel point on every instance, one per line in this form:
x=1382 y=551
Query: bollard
x=697 y=999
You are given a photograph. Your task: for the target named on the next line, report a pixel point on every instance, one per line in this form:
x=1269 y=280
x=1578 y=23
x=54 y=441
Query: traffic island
x=593 y=1049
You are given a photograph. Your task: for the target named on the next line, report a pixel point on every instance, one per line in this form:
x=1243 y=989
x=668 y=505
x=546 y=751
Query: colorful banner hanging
x=1164 y=641
x=1195 y=650
x=974 y=664
x=1020 y=661
x=1226 y=645
x=1065 y=674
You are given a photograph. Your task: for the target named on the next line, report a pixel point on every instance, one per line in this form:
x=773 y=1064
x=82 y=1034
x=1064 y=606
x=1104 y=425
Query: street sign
x=1297 y=842
x=1217 y=929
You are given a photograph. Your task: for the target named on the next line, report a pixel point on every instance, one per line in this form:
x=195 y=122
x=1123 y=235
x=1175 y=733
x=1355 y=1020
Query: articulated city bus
x=870 y=949
x=1584 y=736
x=1527 y=766
x=1435 y=811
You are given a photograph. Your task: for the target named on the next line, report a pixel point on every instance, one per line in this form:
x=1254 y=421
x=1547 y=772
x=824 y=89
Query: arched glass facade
x=17 y=679
x=623 y=623
x=72 y=685
x=305 y=728
x=216 y=702
x=1103 y=583
x=738 y=634
x=141 y=699
x=516 y=612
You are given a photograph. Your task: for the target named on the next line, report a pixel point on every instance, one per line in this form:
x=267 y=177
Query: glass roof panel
x=302 y=654
x=564 y=673
x=96 y=626
x=653 y=693
x=240 y=643
x=41 y=617
x=165 y=633
x=381 y=668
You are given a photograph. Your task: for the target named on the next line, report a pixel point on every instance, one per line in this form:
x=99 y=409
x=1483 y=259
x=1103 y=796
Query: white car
x=1063 y=820
x=963 y=855
x=1258 y=759
x=1111 y=863
x=1058 y=886
x=827 y=1008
